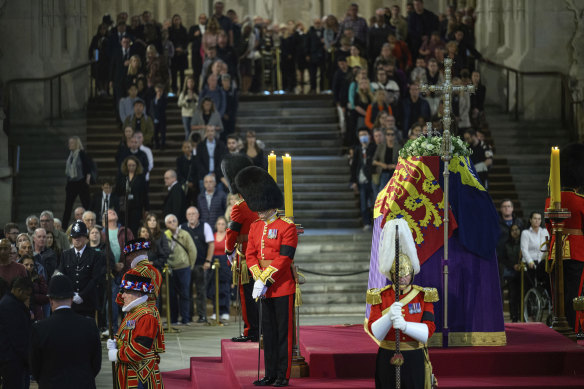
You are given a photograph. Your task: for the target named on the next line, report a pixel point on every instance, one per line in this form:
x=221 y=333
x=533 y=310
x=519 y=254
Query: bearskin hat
x=231 y=165
x=259 y=189
x=572 y=166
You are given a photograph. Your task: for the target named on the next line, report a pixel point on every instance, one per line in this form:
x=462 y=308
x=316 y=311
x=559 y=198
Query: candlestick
x=288 y=207
x=555 y=186
x=272 y=166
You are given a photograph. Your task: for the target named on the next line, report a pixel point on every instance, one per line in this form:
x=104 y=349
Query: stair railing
x=56 y=77
x=567 y=104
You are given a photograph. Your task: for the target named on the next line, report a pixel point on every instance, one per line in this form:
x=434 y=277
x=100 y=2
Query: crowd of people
x=373 y=69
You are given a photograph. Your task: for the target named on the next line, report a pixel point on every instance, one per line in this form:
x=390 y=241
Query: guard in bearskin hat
x=133 y=350
x=272 y=242
x=236 y=245
x=85 y=268
x=572 y=179
x=413 y=314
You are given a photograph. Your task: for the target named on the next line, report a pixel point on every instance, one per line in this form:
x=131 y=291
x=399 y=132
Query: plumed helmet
x=132 y=280
x=408 y=255
x=231 y=165
x=60 y=287
x=259 y=189
x=572 y=166
x=139 y=244
x=78 y=229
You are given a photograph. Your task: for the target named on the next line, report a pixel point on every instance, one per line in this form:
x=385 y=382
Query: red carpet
x=344 y=357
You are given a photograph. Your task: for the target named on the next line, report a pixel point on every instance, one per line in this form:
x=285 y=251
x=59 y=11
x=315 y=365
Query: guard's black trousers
x=412 y=372
x=278 y=332
x=249 y=309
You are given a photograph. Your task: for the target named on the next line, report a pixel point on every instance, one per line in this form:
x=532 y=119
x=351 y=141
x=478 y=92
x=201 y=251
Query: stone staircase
x=522 y=159
x=40 y=184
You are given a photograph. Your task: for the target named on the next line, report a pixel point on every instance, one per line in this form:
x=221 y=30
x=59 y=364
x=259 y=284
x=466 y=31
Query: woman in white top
x=532 y=240
x=187 y=101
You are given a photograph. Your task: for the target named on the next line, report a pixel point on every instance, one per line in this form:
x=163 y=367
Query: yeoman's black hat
x=572 y=166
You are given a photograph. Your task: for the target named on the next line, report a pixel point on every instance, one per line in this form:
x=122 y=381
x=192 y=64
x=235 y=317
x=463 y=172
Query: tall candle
x=288 y=207
x=272 y=166
x=555 y=186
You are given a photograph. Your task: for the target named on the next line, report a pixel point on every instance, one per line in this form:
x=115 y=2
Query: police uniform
x=145 y=269
x=134 y=351
x=84 y=268
x=237 y=235
x=413 y=315
x=236 y=241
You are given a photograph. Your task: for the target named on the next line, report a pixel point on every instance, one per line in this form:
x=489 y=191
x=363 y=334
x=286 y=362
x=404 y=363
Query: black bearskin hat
x=231 y=165
x=259 y=189
x=572 y=166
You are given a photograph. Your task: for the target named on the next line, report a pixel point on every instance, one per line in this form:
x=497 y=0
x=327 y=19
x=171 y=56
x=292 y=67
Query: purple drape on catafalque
x=474 y=300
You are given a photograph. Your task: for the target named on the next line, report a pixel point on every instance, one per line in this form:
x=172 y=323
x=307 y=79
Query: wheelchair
x=537 y=304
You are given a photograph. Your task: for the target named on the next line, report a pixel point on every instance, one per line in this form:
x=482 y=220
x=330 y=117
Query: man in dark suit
x=210 y=152
x=315 y=54
x=98 y=203
x=14 y=333
x=65 y=350
x=84 y=266
x=119 y=62
x=175 y=201
x=196 y=37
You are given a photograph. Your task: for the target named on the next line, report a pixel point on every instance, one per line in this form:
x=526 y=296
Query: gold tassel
x=234 y=273
x=244 y=271
x=298 y=296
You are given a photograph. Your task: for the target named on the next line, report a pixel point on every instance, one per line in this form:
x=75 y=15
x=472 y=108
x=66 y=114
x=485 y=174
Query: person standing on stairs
x=361 y=169
x=78 y=172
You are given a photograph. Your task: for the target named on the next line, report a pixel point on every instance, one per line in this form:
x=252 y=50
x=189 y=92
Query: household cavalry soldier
x=236 y=245
x=133 y=351
x=137 y=252
x=84 y=267
x=270 y=252
x=413 y=315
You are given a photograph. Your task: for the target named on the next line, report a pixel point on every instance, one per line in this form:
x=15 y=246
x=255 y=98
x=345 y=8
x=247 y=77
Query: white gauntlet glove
x=112 y=355
x=259 y=289
x=399 y=323
x=77 y=299
x=395 y=310
x=111 y=344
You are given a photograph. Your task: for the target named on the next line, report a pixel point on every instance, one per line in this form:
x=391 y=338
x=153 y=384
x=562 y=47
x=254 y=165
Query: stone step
x=285 y=112
x=317 y=223
x=299 y=128
x=333 y=309
x=337 y=254
x=295 y=120
x=274 y=105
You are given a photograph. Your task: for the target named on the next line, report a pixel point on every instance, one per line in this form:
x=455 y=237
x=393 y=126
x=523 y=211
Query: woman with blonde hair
x=210 y=36
x=78 y=172
x=133 y=178
x=187 y=101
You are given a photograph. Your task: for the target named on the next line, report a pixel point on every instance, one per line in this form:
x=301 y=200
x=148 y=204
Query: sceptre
x=398 y=359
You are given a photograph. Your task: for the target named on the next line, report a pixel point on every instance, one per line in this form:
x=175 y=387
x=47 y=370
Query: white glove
x=112 y=355
x=399 y=323
x=259 y=289
x=381 y=327
x=395 y=310
x=77 y=299
x=231 y=256
x=111 y=344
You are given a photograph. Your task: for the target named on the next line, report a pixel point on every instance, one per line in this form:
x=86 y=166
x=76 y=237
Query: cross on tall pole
x=447 y=89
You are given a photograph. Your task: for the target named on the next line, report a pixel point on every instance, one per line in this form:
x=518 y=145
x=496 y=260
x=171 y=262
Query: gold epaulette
x=289 y=221
x=430 y=294
x=239 y=201
x=374 y=295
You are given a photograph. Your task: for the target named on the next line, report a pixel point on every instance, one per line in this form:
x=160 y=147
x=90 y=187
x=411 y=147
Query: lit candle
x=272 y=166
x=555 y=189
x=288 y=209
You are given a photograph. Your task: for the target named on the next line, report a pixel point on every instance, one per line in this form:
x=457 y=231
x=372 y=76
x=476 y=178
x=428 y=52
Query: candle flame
x=287 y=155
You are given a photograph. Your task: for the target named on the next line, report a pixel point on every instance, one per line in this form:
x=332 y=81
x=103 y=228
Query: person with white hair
x=78 y=172
x=181 y=261
x=411 y=315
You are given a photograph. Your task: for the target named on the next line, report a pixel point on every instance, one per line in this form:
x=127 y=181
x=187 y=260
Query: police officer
x=84 y=267
x=270 y=252
x=236 y=244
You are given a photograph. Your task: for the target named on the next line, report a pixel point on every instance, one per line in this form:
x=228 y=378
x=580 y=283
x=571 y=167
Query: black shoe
x=266 y=381
x=280 y=382
x=244 y=338
x=202 y=319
